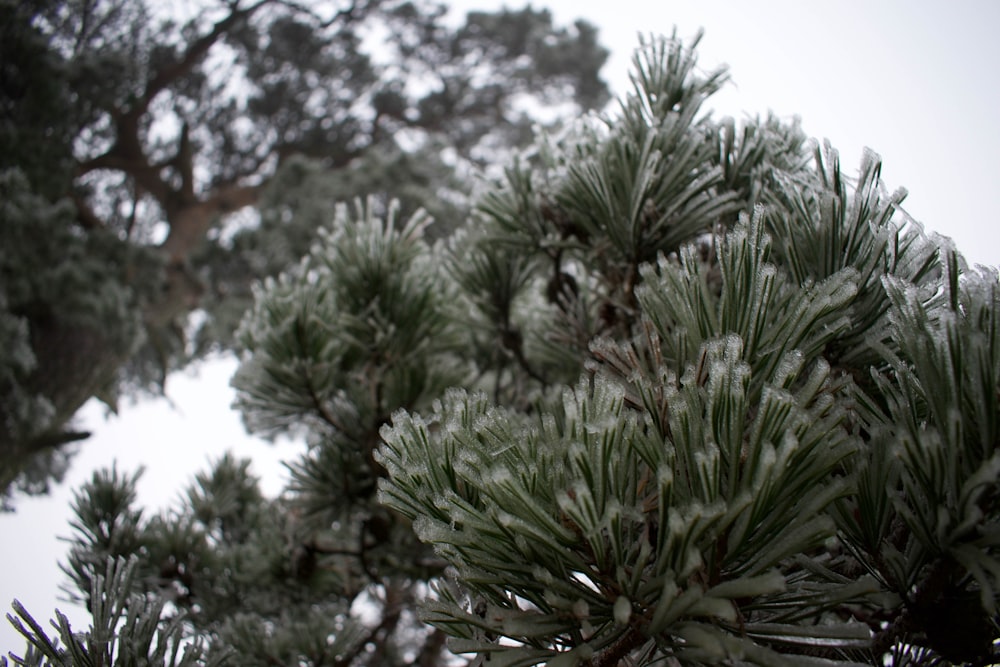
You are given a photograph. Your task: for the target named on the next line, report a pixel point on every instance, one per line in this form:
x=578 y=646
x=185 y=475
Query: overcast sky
x=916 y=81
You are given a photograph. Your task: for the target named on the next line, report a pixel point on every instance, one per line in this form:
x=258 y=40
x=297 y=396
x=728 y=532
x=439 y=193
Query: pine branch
x=349 y=14
x=614 y=654
x=128 y=156
x=392 y=610
x=184 y=163
x=58 y=439
x=430 y=652
x=512 y=341
x=195 y=52
x=188 y=217
x=317 y=402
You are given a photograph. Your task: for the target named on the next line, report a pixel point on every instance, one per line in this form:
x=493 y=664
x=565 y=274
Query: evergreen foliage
x=678 y=393
x=153 y=166
x=63 y=295
x=126 y=630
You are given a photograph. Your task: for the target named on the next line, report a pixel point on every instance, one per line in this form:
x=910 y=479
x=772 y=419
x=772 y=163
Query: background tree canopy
x=155 y=166
x=677 y=391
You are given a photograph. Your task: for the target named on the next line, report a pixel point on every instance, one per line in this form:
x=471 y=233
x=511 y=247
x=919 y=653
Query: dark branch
x=614 y=654
x=130 y=161
x=85 y=215
x=321 y=410
x=195 y=52
x=127 y=153
x=184 y=162
x=58 y=439
x=430 y=652
x=346 y=15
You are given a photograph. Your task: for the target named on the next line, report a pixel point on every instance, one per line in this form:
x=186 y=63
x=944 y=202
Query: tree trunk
x=77 y=362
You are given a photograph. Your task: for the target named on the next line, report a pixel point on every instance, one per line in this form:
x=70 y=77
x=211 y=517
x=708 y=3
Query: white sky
x=916 y=81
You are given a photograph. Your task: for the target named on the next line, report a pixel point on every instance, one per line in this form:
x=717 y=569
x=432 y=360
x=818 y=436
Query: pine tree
x=153 y=166
x=679 y=393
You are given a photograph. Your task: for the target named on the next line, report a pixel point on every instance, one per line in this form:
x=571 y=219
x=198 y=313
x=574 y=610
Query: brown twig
x=627 y=643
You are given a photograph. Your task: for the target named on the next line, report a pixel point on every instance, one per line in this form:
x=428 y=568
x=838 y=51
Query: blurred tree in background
x=154 y=165
x=677 y=393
